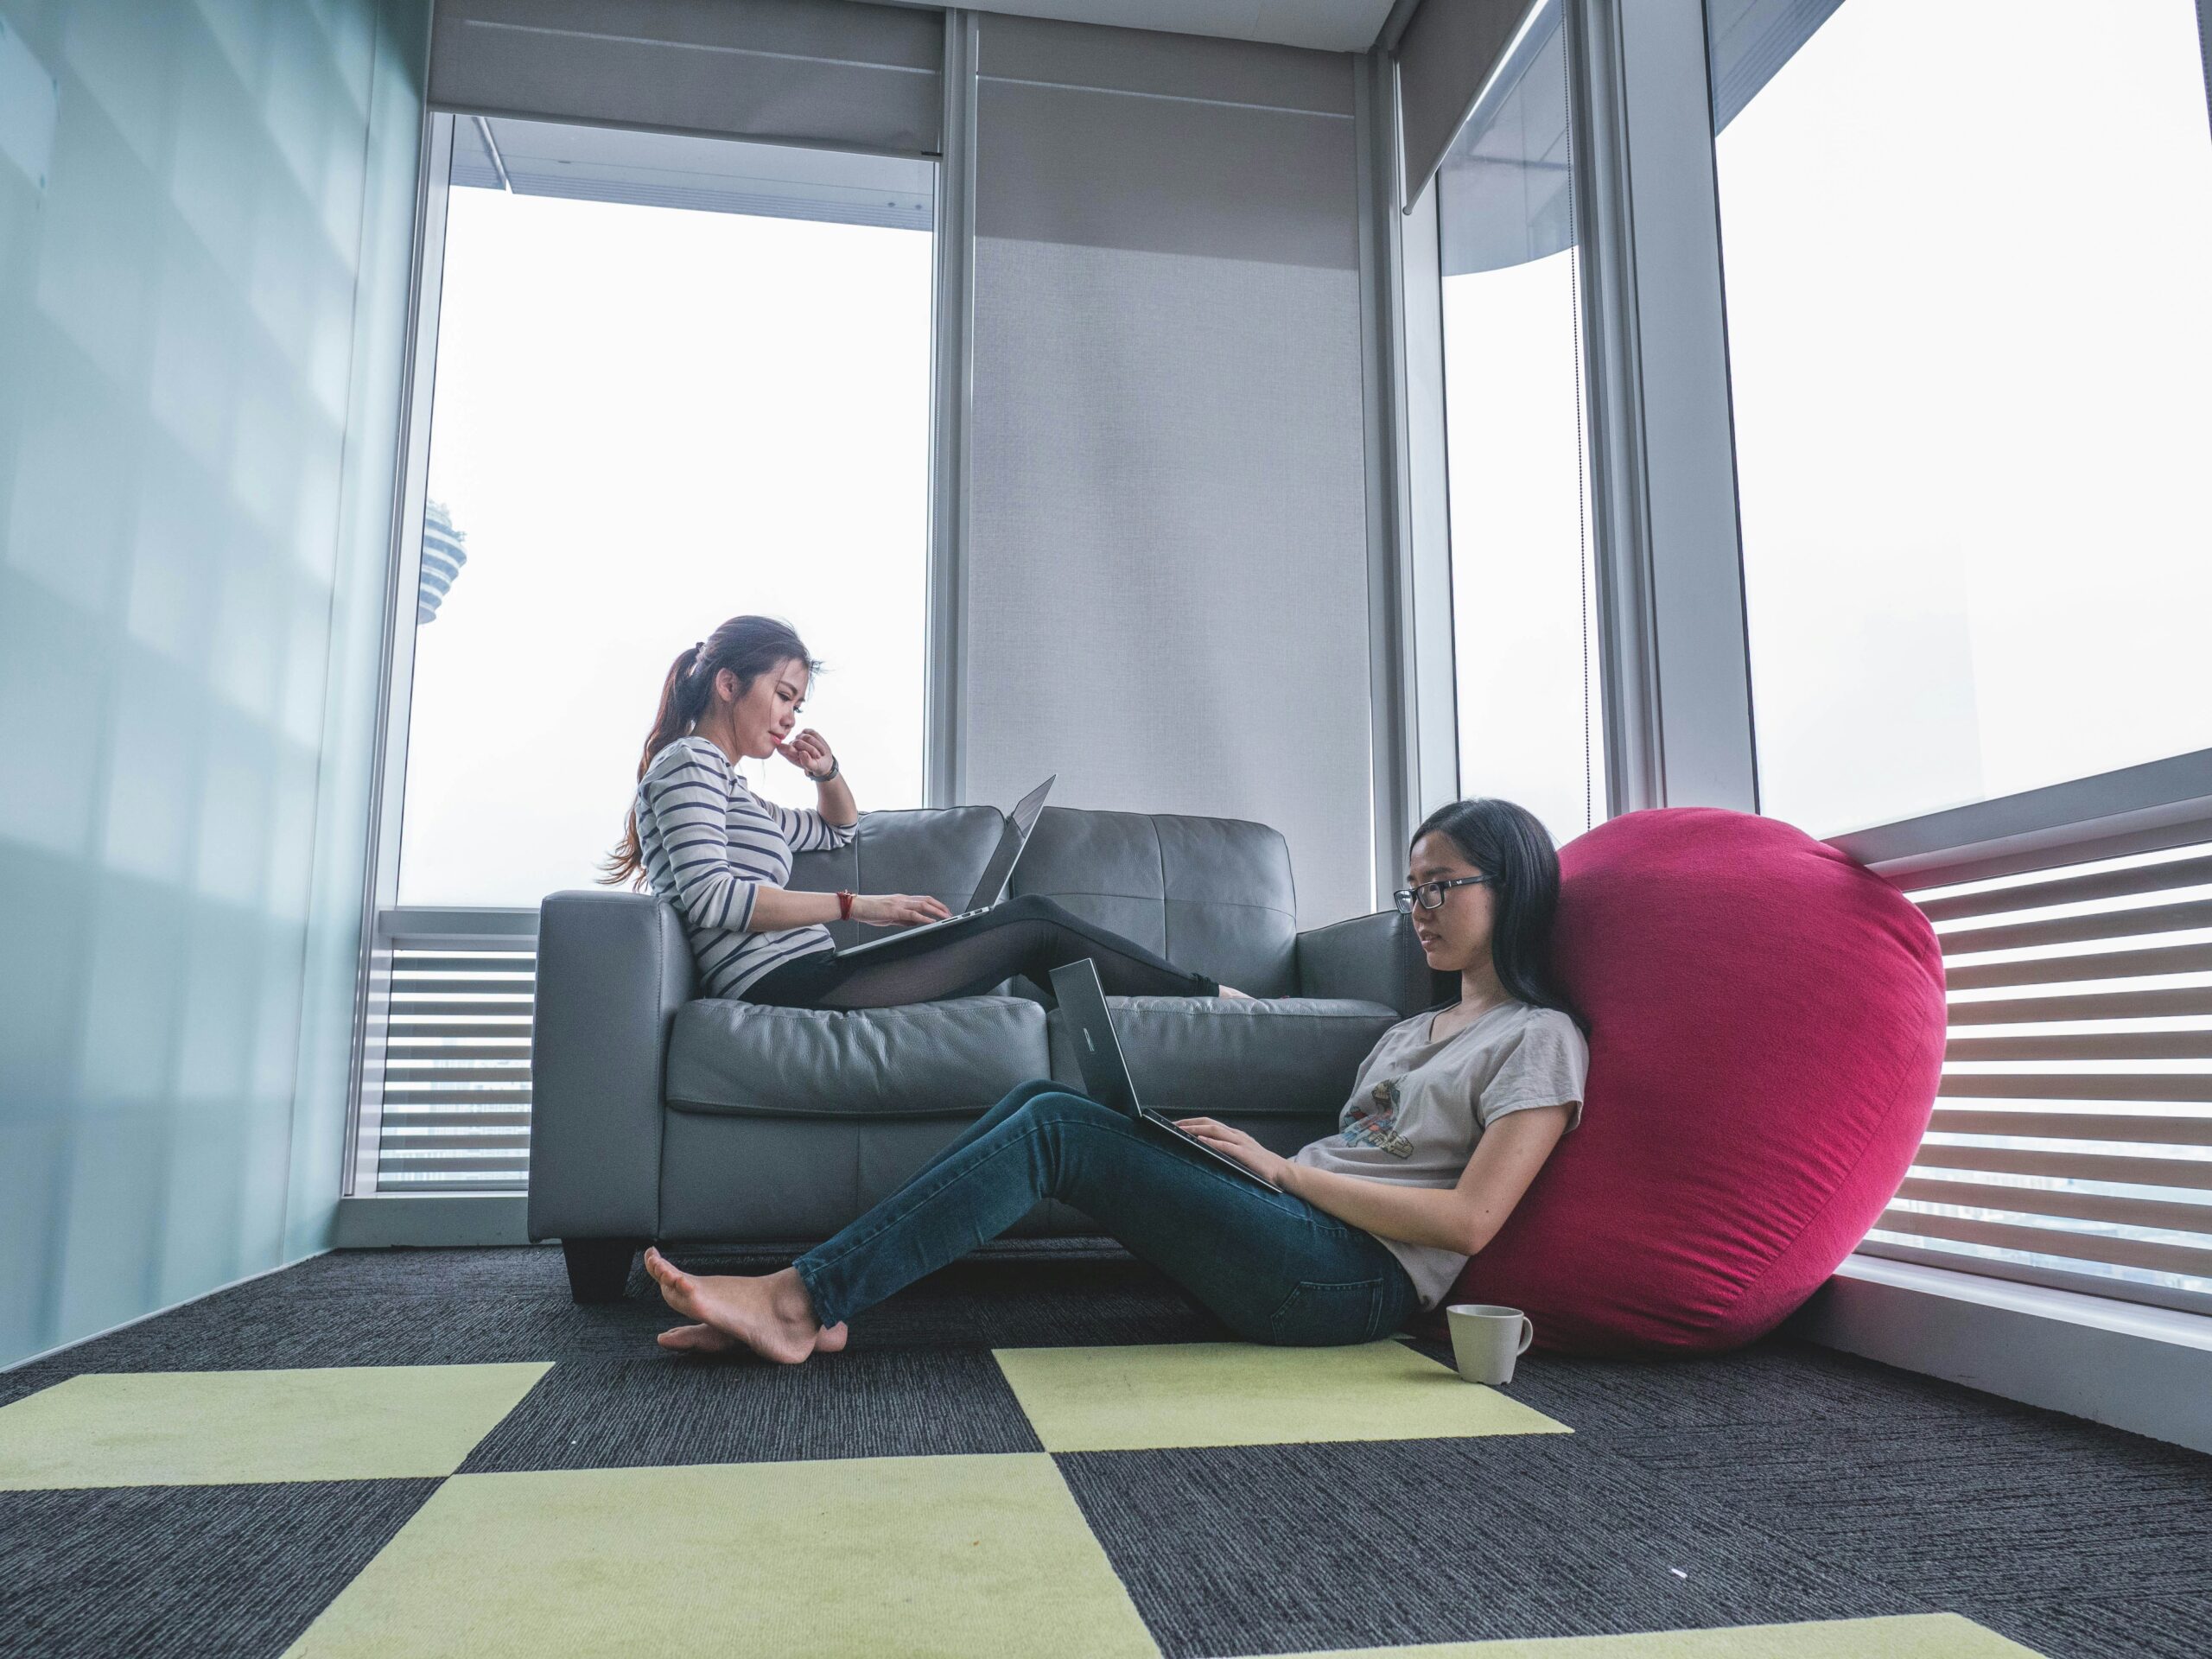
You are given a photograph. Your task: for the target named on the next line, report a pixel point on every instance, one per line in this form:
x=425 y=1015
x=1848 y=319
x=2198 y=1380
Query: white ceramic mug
x=1486 y=1340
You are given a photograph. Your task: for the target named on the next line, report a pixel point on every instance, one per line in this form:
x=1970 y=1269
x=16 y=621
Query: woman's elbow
x=1475 y=1233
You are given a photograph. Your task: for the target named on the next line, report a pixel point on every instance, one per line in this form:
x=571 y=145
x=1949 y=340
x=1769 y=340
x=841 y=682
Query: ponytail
x=747 y=646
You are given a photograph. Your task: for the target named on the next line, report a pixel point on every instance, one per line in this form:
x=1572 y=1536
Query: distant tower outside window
x=443 y=554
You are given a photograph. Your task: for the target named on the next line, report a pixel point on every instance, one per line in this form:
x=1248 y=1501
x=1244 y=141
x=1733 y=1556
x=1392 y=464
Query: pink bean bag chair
x=1766 y=1030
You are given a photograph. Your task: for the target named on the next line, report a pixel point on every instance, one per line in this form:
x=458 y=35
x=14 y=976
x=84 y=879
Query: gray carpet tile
x=1776 y=1381
x=2093 y=1627
x=1989 y=1511
x=633 y=1413
x=453 y=1308
x=235 y=1571
x=1271 y=1549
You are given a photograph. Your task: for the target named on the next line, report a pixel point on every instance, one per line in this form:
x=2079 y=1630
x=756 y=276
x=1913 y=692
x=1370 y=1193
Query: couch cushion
x=1213 y=895
x=950 y=1059
x=1295 y=1057
x=940 y=851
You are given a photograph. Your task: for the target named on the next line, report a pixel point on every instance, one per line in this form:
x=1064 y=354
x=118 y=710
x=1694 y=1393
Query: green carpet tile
x=1052 y=1453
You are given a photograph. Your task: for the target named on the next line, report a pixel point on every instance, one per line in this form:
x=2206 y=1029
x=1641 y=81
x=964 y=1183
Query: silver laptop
x=997 y=874
x=1105 y=1072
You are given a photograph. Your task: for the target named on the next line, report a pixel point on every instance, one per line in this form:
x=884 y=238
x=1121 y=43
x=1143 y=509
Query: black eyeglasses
x=1429 y=895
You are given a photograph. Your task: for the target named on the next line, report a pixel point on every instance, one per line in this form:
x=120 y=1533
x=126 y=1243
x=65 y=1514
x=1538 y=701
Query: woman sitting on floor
x=1451 y=1116
x=703 y=841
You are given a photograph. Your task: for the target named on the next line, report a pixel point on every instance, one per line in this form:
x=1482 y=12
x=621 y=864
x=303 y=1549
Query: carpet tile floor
x=1057 y=1454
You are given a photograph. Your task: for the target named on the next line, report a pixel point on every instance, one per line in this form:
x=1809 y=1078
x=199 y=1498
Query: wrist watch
x=835 y=766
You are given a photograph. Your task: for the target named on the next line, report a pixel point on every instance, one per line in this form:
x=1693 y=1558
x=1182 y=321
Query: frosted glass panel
x=1970 y=349
x=183 y=345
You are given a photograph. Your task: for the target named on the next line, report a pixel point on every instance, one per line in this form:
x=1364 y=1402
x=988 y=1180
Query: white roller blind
x=812 y=72
x=1166 y=578
x=2072 y=1138
x=1450 y=53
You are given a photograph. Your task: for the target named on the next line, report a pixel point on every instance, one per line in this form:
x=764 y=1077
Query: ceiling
x=1325 y=25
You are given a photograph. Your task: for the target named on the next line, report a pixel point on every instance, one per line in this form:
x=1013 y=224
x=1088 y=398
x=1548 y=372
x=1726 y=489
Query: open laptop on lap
x=997 y=874
x=1105 y=1071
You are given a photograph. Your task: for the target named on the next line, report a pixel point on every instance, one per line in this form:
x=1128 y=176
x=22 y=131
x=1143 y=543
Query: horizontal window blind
x=447 y=1072
x=2071 y=1142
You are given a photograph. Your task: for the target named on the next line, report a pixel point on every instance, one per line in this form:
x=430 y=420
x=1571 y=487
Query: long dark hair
x=1506 y=841
x=748 y=646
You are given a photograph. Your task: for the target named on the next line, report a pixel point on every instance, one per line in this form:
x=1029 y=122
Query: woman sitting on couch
x=703 y=841
x=1451 y=1116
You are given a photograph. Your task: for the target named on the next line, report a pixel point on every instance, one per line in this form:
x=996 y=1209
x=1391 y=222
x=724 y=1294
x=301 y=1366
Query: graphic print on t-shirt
x=1378 y=1125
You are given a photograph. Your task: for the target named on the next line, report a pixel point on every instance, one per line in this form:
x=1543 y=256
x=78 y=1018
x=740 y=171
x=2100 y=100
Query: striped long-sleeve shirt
x=710 y=845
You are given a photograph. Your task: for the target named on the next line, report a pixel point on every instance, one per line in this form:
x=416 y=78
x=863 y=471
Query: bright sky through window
x=1969 y=247
x=647 y=420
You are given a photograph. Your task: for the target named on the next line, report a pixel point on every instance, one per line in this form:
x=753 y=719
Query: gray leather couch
x=660 y=1116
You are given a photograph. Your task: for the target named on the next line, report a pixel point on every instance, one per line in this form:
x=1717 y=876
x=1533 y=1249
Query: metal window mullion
x=1673 y=649
x=387 y=787
x=944 y=781
x=1619 y=513
x=1393 y=766
x=1426 y=443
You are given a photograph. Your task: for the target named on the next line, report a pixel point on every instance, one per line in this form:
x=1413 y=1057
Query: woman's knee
x=1031 y=908
x=1058 y=1103
x=1022 y=1093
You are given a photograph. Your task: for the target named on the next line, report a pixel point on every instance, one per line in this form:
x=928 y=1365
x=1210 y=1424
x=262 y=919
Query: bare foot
x=772 y=1315
x=705 y=1339
x=1231 y=991
x=697 y=1339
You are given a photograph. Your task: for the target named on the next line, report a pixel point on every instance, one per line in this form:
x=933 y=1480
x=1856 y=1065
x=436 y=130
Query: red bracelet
x=844 y=906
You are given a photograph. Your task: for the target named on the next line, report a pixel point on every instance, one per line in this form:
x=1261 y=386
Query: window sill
x=432 y=1219
x=2146 y=1370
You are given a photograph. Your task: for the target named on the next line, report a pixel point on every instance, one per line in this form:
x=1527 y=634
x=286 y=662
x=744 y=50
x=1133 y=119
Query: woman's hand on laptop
x=896 y=909
x=1235 y=1143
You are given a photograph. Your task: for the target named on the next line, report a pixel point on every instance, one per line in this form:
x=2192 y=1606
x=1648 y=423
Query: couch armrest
x=1372 y=958
x=612 y=968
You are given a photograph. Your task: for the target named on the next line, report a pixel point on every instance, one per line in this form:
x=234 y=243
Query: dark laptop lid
x=1097 y=1049
x=1012 y=840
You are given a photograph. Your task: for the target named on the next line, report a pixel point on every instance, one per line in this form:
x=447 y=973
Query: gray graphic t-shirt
x=1419 y=1106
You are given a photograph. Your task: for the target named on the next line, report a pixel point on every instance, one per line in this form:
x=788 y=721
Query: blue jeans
x=1270 y=1267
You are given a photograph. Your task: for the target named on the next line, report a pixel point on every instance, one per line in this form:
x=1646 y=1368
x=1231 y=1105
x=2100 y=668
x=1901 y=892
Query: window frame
x=383 y=919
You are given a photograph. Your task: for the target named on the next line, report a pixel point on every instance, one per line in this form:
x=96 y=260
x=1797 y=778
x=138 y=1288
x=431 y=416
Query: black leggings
x=1030 y=935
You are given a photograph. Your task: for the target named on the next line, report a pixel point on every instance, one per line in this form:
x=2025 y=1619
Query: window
x=1524 y=615
x=1968 y=248
x=676 y=380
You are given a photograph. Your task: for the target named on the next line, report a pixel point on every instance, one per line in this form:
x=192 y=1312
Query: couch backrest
x=938 y=850
x=1210 y=895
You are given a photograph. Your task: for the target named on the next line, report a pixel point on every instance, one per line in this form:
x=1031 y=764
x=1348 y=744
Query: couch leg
x=598 y=1268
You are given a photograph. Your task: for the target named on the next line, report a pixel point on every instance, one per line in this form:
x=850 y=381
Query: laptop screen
x=1097 y=1049
x=1012 y=840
